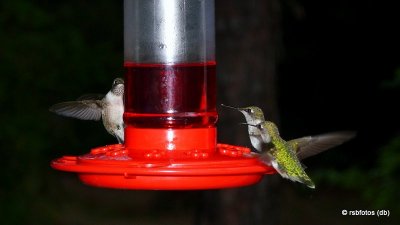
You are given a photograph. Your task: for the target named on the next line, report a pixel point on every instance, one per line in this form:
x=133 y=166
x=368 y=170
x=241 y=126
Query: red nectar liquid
x=170 y=96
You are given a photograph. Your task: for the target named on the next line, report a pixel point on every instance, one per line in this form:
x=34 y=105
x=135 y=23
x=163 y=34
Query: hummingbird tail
x=307 y=181
x=304 y=180
x=120 y=141
x=310 y=185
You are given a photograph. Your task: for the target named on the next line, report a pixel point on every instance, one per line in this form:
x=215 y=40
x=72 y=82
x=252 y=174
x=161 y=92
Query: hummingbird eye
x=118 y=81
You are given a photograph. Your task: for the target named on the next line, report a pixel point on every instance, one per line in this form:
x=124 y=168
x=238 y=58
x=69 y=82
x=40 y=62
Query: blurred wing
x=91 y=97
x=84 y=110
x=312 y=145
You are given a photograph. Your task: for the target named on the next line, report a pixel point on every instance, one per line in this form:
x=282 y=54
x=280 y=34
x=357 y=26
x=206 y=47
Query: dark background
x=313 y=66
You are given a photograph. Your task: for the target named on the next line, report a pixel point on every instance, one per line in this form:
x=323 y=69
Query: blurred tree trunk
x=248 y=40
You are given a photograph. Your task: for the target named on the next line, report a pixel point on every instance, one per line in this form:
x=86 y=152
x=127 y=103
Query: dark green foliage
x=49 y=52
x=378 y=184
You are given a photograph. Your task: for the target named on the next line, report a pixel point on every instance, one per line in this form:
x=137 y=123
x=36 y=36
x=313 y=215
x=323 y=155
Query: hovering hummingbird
x=109 y=107
x=285 y=156
x=254 y=115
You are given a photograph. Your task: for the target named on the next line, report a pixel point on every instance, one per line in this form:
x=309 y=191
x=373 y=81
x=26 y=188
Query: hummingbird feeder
x=170 y=108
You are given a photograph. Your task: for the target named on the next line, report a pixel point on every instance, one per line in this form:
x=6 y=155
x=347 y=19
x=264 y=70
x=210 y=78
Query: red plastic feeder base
x=112 y=167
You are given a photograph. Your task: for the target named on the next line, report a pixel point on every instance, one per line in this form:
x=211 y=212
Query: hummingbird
x=285 y=156
x=253 y=115
x=109 y=108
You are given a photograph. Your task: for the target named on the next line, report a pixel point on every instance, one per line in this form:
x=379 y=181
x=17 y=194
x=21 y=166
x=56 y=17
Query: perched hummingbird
x=254 y=116
x=285 y=156
x=96 y=106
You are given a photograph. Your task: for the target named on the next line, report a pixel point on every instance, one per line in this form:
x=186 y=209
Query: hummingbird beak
x=227 y=106
x=248 y=124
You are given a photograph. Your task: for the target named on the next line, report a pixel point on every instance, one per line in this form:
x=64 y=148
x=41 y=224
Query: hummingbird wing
x=84 y=110
x=312 y=145
x=91 y=97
